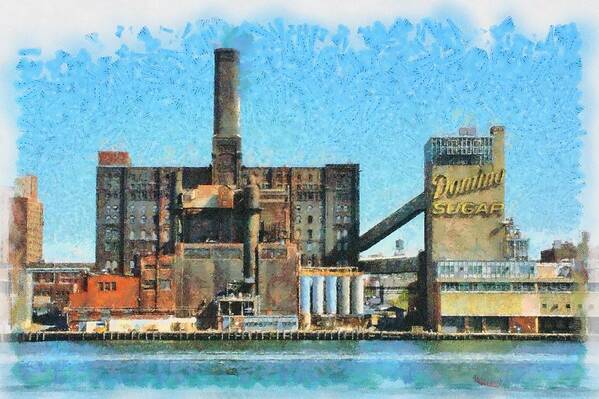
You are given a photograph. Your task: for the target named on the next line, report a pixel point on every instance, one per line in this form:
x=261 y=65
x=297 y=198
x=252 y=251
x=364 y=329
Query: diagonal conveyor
x=393 y=222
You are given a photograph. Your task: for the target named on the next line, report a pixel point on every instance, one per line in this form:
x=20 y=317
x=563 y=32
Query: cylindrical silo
x=305 y=285
x=343 y=298
x=331 y=294
x=318 y=295
x=357 y=295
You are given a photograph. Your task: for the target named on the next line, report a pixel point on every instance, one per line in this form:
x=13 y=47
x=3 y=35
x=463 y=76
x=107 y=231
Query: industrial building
x=237 y=247
x=192 y=233
x=477 y=275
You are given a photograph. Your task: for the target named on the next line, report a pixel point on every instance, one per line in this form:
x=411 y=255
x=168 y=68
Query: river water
x=310 y=369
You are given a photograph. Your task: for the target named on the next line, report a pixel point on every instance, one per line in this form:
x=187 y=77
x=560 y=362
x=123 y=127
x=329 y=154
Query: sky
x=315 y=90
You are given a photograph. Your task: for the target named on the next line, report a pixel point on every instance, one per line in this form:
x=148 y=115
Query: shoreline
x=283 y=336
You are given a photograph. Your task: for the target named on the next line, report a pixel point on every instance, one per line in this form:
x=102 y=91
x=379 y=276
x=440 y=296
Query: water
x=298 y=369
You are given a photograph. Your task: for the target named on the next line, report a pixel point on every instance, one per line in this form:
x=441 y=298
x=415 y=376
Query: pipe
x=252 y=229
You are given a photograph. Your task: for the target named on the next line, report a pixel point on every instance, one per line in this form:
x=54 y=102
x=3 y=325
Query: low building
x=52 y=285
x=104 y=297
x=509 y=296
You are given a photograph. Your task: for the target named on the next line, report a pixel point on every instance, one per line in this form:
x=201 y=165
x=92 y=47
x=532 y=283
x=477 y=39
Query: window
x=132 y=219
x=338 y=234
x=148 y=284
x=113 y=286
x=143 y=219
x=309 y=234
x=165 y=284
x=309 y=177
x=131 y=235
x=143 y=235
x=344 y=233
x=568 y=306
x=310 y=219
x=544 y=306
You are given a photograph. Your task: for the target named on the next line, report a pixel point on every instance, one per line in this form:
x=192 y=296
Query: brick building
x=225 y=222
x=103 y=297
x=26 y=228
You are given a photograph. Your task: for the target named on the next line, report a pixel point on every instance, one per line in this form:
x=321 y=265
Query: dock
x=358 y=335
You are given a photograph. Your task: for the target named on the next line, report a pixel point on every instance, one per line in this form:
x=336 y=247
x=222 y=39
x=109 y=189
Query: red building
x=157 y=289
x=105 y=296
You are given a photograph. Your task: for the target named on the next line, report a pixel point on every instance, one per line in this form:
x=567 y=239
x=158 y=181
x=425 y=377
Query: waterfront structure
x=53 y=282
x=188 y=232
x=331 y=297
x=477 y=276
x=21 y=244
x=103 y=297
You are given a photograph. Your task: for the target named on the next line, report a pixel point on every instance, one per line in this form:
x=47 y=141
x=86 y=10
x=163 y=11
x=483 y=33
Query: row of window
x=504 y=286
x=107 y=286
x=142 y=209
x=164 y=284
x=486 y=268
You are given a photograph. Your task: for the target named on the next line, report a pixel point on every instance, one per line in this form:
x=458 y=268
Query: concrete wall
x=510 y=304
x=202 y=270
x=277 y=278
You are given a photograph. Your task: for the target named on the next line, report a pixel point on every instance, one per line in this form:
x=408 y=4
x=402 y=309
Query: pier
x=339 y=335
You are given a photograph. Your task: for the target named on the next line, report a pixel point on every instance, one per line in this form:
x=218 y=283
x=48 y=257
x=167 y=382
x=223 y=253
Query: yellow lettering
x=482 y=208
x=455 y=209
x=438 y=208
x=467 y=208
x=496 y=207
x=439 y=185
x=499 y=177
x=453 y=188
x=482 y=181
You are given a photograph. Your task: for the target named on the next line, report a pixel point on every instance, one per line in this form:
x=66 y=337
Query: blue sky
x=310 y=96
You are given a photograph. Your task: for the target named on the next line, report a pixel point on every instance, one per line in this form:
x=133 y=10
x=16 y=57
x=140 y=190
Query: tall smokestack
x=226 y=142
x=226 y=92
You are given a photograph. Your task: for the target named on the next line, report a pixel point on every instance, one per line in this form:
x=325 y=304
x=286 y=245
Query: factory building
x=477 y=276
x=191 y=233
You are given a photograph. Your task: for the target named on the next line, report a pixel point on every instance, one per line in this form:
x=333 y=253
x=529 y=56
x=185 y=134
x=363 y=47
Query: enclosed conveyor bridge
x=393 y=222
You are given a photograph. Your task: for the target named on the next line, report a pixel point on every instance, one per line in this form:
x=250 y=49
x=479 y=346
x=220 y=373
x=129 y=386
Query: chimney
x=226 y=93
x=226 y=141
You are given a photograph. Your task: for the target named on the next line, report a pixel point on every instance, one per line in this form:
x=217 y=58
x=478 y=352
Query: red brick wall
x=158 y=296
x=114 y=158
x=125 y=296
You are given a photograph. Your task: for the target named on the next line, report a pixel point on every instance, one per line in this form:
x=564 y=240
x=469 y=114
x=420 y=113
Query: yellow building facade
x=477 y=275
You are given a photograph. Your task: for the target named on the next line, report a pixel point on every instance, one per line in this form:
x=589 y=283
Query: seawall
x=279 y=336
